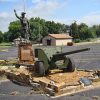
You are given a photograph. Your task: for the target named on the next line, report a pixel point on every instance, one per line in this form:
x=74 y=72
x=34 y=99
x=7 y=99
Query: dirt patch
x=69 y=77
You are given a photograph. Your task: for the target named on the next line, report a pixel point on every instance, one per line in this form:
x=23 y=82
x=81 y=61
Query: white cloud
x=36 y=1
x=91 y=19
x=44 y=8
x=41 y=8
x=8 y=0
x=5 y=19
x=4 y=15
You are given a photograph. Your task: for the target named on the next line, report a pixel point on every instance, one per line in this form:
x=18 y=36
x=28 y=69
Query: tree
x=40 y=28
x=74 y=30
x=6 y=36
x=1 y=37
x=83 y=30
x=96 y=28
x=65 y=28
x=92 y=33
x=14 y=31
x=82 y=25
x=86 y=33
x=53 y=27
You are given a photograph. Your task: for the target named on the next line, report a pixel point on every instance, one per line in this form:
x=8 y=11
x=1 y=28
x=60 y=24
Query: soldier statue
x=24 y=24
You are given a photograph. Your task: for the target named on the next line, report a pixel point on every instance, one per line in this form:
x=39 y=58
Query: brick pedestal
x=25 y=53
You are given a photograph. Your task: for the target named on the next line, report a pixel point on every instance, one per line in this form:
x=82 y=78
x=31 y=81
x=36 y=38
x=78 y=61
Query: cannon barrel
x=61 y=55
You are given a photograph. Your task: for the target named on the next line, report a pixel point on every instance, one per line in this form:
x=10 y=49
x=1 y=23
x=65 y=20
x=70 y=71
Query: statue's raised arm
x=16 y=14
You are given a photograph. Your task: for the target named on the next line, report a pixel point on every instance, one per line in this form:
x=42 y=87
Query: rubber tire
x=71 y=65
x=40 y=70
x=17 y=65
x=47 y=72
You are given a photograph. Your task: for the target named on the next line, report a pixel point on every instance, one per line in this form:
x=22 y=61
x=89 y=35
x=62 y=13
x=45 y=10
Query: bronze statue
x=24 y=24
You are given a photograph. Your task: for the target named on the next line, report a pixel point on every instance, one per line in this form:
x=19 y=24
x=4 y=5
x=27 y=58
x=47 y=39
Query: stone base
x=25 y=53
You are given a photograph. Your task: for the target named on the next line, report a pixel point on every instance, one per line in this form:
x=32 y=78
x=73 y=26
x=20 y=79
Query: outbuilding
x=18 y=40
x=57 y=39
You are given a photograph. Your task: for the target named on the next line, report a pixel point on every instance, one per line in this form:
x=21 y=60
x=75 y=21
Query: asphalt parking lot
x=89 y=60
x=7 y=88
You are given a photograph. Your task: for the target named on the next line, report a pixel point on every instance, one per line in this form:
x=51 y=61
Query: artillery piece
x=54 y=58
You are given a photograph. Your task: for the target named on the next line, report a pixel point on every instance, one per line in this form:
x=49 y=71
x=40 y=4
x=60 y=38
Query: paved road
x=8 y=53
x=8 y=87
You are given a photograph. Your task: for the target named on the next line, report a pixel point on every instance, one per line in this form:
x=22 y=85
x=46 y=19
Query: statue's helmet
x=23 y=13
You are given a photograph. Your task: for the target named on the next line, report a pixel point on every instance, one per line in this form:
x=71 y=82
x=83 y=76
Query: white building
x=18 y=40
x=56 y=39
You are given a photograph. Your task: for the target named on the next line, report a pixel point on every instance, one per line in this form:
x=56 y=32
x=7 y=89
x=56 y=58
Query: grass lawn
x=5 y=45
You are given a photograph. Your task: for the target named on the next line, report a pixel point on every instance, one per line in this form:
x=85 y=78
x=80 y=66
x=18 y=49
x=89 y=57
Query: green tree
x=6 y=37
x=92 y=33
x=86 y=33
x=83 y=30
x=96 y=28
x=38 y=28
x=1 y=37
x=82 y=25
x=65 y=28
x=14 y=31
x=74 y=30
x=53 y=27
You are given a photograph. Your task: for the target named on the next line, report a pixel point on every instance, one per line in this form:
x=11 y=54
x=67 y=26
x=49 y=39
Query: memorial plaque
x=25 y=53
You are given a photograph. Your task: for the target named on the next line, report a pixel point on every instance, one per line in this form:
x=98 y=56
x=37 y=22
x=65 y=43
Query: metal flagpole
x=24 y=5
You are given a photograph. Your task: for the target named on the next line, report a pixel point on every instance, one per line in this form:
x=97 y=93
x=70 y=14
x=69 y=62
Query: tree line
x=40 y=28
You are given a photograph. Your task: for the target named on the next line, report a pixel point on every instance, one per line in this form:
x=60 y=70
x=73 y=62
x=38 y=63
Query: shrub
x=89 y=39
x=69 y=43
x=77 y=40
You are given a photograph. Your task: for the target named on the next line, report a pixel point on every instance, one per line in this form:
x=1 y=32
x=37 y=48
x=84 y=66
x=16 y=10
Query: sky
x=63 y=11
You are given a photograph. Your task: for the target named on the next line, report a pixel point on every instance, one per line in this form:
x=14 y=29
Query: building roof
x=60 y=36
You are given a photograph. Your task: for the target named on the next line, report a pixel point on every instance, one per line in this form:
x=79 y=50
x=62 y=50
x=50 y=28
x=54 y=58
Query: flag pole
x=24 y=5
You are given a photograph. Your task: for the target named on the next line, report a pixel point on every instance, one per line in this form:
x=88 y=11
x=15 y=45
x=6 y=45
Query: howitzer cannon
x=51 y=58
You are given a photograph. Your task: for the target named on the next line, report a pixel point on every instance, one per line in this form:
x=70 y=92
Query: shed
x=18 y=40
x=57 y=39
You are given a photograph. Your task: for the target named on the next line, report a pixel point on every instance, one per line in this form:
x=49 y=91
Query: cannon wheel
x=17 y=65
x=39 y=68
x=70 y=66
